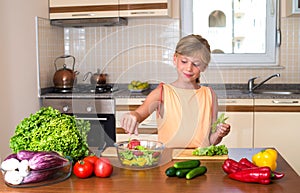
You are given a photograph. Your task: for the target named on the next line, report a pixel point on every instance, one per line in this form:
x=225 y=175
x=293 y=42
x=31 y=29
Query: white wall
x=18 y=79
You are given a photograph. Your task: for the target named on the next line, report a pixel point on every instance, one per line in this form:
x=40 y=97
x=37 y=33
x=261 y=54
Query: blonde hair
x=195 y=46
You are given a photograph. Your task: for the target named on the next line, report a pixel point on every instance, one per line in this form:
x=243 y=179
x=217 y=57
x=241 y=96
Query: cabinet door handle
x=230 y=101
x=83 y=14
x=143 y=13
x=284 y=102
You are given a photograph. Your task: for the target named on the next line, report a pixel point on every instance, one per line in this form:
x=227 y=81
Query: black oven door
x=102 y=133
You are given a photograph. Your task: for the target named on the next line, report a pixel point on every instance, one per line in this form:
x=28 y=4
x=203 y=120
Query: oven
x=100 y=112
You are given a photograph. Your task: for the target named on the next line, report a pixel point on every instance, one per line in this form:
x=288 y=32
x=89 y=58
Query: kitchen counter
x=228 y=91
x=155 y=180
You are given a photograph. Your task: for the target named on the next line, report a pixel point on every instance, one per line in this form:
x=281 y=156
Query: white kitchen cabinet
x=73 y=9
x=290 y=7
x=277 y=125
x=124 y=105
x=145 y=8
x=240 y=117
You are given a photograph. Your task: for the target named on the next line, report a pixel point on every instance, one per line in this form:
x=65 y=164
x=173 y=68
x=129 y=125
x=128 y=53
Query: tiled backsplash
x=143 y=50
x=50 y=46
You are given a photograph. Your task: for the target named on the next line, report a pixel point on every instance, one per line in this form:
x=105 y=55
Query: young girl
x=185 y=110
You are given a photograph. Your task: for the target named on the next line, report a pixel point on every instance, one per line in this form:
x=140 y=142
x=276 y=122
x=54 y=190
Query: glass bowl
x=43 y=177
x=147 y=157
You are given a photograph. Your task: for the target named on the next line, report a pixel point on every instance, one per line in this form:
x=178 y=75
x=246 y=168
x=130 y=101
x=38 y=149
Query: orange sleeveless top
x=187 y=117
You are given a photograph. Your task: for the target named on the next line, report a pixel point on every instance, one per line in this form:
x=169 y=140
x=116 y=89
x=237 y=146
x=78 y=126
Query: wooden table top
x=154 y=180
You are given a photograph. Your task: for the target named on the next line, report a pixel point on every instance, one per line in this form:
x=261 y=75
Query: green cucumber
x=171 y=171
x=198 y=171
x=187 y=164
x=181 y=173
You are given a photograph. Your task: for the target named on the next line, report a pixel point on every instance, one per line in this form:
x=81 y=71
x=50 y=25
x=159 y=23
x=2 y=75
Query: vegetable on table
x=198 y=171
x=187 y=164
x=171 y=171
x=91 y=158
x=25 y=154
x=181 y=173
x=50 y=130
x=13 y=177
x=45 y=160
x=38 y=166
x=13 y=155
x=24 y=168
x=211 y=150
x=10 y=164
x=244 y=161
x=83 y=169
x=103 y=168
x=249 y=164
x=37 y=176
x=260 y=175
x=267 y=157
x=230 y=166
x=92 y=164
x=186 y=169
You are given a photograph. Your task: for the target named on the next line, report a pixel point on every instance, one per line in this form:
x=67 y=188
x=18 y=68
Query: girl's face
x=188 y=68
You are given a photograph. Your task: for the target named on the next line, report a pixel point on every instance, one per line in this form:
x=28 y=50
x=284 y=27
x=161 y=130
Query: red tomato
x=133 y=143
x=83 y=169
x=91 y=158
x=103 y=168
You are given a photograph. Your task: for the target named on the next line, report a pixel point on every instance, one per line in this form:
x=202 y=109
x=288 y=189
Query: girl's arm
x=222 y=129
x=131 y=120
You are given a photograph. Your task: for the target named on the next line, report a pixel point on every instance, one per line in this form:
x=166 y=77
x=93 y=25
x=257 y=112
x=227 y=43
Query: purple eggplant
x=13 y=155
x=45 y=160
x=27 y=154
x=38 y=176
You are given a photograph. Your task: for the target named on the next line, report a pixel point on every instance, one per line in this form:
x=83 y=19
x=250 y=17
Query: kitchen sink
x=275 y=92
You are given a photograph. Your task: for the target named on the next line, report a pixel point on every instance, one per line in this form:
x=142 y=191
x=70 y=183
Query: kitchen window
x=242 y=33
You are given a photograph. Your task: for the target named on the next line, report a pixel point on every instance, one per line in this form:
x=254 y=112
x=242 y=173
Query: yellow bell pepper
x=266 y=157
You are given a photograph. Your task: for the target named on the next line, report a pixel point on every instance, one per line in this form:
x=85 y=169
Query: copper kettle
x=64 y=78
x=97 y=78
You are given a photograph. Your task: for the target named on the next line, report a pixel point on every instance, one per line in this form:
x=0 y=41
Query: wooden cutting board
x=187 y=154
x=109 y=152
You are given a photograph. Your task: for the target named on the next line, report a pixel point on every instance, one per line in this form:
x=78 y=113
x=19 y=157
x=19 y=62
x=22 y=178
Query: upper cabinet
x=144 y=8
x=290 y=7
x=75 y=9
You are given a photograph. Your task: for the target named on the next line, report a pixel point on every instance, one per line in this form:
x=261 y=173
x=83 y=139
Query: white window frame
x=268 y=59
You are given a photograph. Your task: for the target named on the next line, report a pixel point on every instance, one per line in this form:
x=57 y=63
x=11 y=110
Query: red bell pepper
x=249 y=164
x=260 y=175
x=230 y=166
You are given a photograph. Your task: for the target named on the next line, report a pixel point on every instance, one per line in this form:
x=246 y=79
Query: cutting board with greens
x=206 y=153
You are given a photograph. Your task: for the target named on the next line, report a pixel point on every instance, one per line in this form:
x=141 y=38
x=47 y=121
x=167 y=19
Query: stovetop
x=87 y=88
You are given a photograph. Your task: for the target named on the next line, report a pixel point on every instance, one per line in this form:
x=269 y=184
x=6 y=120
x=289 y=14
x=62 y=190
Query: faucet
x=251 y=86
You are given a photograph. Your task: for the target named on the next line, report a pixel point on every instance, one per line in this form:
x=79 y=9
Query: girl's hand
x=223 y=129
x=130 y=123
